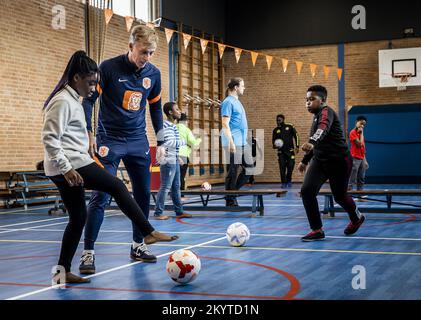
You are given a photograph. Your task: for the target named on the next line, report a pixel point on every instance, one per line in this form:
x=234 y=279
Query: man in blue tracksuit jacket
x=126 y=83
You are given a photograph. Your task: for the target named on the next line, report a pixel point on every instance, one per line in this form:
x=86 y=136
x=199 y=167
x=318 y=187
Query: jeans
x=170 y=180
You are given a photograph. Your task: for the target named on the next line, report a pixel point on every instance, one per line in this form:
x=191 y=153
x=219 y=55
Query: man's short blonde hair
x=143 y=33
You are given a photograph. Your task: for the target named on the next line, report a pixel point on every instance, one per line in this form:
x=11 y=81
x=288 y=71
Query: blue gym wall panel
x=393 y=141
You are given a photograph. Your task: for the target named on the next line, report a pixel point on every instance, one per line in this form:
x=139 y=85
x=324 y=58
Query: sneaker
x=351 y=228
x=314 y=236
x=87 y=264
x=289 y=185
x=142 y=253
x=183 y=215
x=161 y=217
x=283 y=185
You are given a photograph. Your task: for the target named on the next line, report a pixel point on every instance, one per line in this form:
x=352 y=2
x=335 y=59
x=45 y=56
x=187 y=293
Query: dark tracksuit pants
x=337 y=170
x=95 y=178
x=286 y=166
x=134 y=152
x=183 y=171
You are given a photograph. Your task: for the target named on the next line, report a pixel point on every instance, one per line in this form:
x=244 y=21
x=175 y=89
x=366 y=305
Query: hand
x=233 y=148
x=161 y=153
x=302 y=167
x=365 y=164
x=180 y=160
x=360 y=129
x=92 y=145
x=297 y=150
x=307 y=147
x=73 y=178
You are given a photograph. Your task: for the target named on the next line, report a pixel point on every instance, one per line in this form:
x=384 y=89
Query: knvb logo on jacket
x=132 y=100
x=146 y=83
x=103 y=151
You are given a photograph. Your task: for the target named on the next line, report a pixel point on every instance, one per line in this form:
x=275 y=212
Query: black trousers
x=286 y=166
x=318 y=172
x=95 y=178
x=237 y=175
x=183 y=172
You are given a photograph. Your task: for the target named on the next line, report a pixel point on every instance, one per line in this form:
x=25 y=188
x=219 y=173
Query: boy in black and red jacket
x=330 y=160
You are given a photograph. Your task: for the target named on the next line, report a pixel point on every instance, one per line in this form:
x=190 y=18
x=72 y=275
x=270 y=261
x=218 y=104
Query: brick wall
x=32 y=58
x=271 y=92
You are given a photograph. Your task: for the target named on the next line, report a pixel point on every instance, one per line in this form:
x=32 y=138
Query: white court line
x=31 y=222
x=223 y=233
x=46 y=225
x=108 y=271
x=36 y=221
x=23 y=210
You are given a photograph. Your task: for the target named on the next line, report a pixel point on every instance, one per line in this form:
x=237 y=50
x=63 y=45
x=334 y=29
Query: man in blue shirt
x=127 y=82
x=234 y=138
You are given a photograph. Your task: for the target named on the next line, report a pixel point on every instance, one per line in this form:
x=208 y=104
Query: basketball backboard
x=393 y=63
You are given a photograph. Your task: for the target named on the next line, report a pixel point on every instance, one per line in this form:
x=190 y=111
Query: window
x=123 y=7
x=146 y=10
x=143 y=10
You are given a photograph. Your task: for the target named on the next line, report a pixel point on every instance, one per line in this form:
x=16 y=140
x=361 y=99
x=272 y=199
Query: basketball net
x=401 y=80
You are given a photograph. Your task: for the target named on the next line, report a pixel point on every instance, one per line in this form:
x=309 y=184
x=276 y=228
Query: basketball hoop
x=401 y=80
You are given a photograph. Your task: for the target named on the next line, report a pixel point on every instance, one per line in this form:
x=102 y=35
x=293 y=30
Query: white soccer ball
x=279 y=143
x=238 y=234
x=206 y=186
x=183 y=266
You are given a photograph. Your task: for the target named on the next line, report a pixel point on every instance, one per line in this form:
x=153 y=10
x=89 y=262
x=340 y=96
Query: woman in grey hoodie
x=69 y=165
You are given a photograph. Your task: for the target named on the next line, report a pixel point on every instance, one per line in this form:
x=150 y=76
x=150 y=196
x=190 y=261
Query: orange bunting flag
x=129 y=22
x=299 y=65
x=284 y=64
x=339 y=72
x=221 y=49
x=108 y=13
x=269 y=61
x=313 y=68
x=186 y=40
x=168 y=34
x=254 y=57
x=326 y=71
x=203 y=44
x=237 y=52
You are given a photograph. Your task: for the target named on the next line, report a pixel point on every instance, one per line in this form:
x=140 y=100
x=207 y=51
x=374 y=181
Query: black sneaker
x=314 y=236
x=351 y=228
x=142 y=253
x=87 y=264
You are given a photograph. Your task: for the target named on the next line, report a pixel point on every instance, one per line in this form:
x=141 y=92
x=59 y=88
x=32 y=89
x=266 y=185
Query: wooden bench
x=205 y=198
x=329 y=206
x=28 y=187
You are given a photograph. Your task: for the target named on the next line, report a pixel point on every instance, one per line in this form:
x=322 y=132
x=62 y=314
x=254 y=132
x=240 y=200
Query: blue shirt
x=123 y=92
x=231 y=107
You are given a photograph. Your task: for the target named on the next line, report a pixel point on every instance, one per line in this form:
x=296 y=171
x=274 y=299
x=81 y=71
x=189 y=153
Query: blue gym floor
x=273 y=265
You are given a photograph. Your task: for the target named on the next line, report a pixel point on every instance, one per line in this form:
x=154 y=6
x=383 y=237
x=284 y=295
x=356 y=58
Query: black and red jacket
x=327 y=137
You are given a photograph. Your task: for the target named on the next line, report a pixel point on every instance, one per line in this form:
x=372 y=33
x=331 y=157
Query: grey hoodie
x=64 y=134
